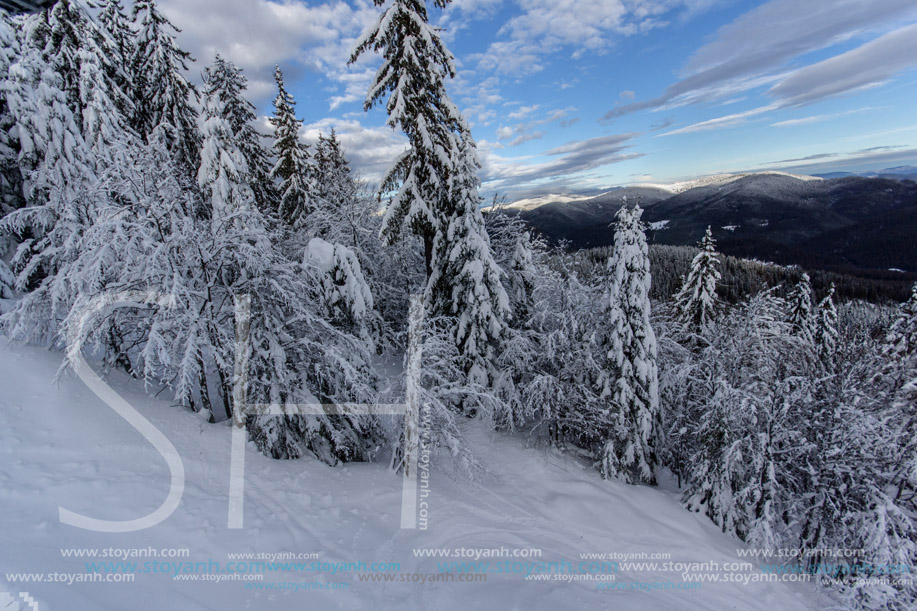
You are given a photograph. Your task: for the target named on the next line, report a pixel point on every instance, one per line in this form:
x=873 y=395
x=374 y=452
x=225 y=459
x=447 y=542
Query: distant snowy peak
x=717 y=180
x=674 y=188
x=537 y=202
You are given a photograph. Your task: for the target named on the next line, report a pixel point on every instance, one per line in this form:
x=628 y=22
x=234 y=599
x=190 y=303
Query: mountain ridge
x=852 y=221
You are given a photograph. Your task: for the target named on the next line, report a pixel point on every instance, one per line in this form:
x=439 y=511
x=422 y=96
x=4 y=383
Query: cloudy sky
x=575 y=96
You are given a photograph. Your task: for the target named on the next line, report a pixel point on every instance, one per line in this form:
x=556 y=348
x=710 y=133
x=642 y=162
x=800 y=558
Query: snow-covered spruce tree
x=163 y=97
x=522 y=280
x=345 y=214
x=60 y=184
x=60 y=170
x=901 y=340
x=226 y=80
x=293 y=168
x=800 y=309
x=61 y=32
x=899 y=371
x=415 y=66
x=117 y=26
x=555 y=364
x=331 y=363
x=629 y=379
x=346 y=296
x=334 y=180
x=88 y=65
x=525 y=261
x=436 y=181
x=341 y=212
x=697 y=301
x=7 y=281
x=826 y=333
x=11 y=196
x=466 y=281
x=746 y=409
x=224 y=175
x=120 y=42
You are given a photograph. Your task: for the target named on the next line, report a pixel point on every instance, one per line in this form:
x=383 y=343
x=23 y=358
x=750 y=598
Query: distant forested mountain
x=845 y=224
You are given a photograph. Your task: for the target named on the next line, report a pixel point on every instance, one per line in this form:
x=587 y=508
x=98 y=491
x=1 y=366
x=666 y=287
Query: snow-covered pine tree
x=862 y=475
x=346 y=295
x=557 y=369
x=901 y=340
x=696 y=302
x=11 y=196
x=224 y=175
x=58 y=170
x=117 y=27
x=334 y=180
x=81 y=53
x=342 y=213
x=163 y=97
x=522 y=280
x=297 y=353
x=800 y=309
x=436 y=180
x=826 y=332
x=226 y=80
x=900 y=370
x=415 y=66
x=746 y=409
x=293 y=169
x=629 y=380
x=466 y=281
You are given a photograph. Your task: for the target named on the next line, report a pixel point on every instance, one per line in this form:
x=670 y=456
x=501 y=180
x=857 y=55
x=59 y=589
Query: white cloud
x=504 y=133
x=584 y=26
x=874 y=158
x=520 y=133
x=523 y=138
x=819 y=118
x=564 y=169
x=733 y=120
x=760 y=47
x=257 y=34
x=523 y=112
x=866 y=66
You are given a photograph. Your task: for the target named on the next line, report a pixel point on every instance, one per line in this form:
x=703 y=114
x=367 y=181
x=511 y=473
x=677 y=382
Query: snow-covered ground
x=60 y=446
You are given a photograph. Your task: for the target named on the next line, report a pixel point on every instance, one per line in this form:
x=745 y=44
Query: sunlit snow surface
x=61 y=446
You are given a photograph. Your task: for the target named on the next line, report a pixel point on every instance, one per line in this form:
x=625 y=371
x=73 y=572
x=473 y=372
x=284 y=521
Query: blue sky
x=576 y=96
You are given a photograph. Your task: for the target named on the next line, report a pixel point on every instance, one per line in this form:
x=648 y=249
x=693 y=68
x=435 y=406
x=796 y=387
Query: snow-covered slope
x=717 y=180
x=674 y=188
x=61 y=446
x=536 y=202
